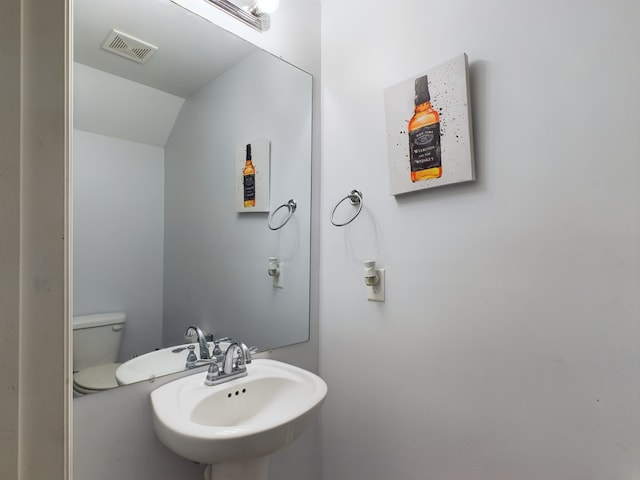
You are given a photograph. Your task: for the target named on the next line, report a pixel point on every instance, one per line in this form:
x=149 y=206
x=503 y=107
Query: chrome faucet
x=202 y=341
x=234 y=363
x=233 y=366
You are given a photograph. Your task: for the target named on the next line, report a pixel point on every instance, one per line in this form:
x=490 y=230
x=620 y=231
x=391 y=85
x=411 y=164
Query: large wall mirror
x=160 y=230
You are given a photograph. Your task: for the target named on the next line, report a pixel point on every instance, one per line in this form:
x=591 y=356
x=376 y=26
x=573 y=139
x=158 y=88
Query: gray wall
x=215 y=258
x=118 y=210
x=34 y=240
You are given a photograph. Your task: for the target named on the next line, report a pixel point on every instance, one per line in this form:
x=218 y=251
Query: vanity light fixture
x=255 y=14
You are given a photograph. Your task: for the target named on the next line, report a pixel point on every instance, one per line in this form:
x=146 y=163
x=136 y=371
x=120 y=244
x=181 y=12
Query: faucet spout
x=244 y=356
x=202 y=341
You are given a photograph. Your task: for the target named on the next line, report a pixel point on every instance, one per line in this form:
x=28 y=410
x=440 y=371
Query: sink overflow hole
x=229 y=395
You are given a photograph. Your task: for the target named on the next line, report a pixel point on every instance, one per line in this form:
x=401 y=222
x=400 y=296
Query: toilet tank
x=96 y=339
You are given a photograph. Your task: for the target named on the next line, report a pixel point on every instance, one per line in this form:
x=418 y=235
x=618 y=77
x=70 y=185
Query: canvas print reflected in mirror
x=428 y=121
x=252 y=176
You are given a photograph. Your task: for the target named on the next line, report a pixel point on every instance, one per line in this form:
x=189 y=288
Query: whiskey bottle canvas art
x=428 y=126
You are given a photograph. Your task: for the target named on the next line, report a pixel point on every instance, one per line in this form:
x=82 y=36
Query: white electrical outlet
x=375 y=293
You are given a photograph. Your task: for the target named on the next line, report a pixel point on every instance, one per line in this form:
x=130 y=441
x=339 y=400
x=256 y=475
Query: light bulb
x=267 y=6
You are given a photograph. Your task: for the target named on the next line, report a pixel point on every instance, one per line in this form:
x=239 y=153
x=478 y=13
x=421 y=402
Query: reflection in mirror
x=162 y=238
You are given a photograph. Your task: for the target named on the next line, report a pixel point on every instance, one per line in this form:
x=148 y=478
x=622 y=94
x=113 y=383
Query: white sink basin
x=246 y=418
x=157 y=363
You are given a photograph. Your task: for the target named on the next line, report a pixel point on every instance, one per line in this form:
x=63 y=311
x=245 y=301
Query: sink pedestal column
x=252 y=469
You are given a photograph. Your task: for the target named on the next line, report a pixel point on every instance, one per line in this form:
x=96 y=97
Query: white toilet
x=96 y=343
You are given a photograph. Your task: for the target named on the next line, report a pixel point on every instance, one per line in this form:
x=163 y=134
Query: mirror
x=160 y=230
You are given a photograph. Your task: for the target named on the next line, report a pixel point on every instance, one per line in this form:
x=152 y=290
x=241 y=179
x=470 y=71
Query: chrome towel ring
x=291 y=205
x=355 y=198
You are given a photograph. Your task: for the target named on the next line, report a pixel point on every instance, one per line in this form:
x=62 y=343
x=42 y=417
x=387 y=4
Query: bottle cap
x=422 y=90
x=248 y=151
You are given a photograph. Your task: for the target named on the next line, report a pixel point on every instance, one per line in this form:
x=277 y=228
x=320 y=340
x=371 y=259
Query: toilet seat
x=96 y=379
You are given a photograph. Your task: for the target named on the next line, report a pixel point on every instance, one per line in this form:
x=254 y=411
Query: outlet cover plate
x=376 y=292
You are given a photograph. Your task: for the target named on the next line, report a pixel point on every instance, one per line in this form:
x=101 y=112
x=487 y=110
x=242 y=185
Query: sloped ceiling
x=191 y=53
x=115 y=107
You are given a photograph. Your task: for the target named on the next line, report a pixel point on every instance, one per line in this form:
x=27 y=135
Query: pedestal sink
x=235 y=426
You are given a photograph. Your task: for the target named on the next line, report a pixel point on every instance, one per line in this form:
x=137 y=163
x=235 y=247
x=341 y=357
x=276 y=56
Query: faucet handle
x=212 y=374
x=191 y=357
x=204 y=361
x=216 y=345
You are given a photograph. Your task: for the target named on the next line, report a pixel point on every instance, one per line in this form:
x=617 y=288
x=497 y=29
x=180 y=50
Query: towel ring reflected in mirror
x=291 y=205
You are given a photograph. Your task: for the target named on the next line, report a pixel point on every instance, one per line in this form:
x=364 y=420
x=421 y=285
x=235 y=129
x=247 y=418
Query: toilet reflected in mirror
x=96 y=346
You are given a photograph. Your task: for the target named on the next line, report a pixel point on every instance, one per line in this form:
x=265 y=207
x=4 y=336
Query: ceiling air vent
x=128 y=47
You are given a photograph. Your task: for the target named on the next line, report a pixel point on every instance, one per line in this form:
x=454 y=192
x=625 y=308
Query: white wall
x=508 y=346
x=118 y=235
